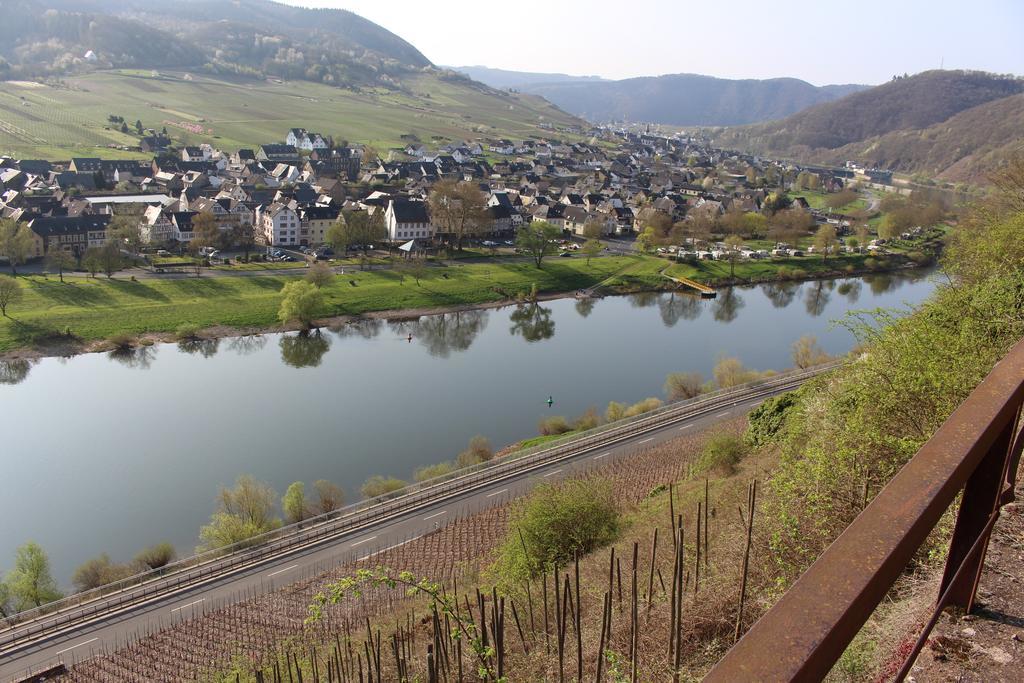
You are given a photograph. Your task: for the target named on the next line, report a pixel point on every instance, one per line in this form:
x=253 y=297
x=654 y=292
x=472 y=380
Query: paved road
x=110 y=629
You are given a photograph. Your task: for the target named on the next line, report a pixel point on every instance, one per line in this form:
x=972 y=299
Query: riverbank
x=83 y=315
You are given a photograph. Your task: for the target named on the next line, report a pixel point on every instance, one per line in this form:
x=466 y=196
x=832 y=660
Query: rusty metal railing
x=977 y=450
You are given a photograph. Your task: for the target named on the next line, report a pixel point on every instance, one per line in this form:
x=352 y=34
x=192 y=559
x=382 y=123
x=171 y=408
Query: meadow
x=98 y=308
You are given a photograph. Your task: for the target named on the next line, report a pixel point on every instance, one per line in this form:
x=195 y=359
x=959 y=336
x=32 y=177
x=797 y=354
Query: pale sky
x=866 y=41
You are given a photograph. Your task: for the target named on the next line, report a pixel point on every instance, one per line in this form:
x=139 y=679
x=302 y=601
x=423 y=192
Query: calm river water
x=110 y=453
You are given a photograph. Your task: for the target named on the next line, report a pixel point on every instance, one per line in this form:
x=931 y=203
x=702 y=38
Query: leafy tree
x=110 y=258
x=591 y=248
x=92 y=261
x=329 y=496
x=99 y=571
x=458 y=210
x=825 y=241
x=138 y=126
x=125 y=230
x=300 y=302
x=479 y=450
x=205 y=232
x=10 y=293
x=730 y=372
x=732 y=252
x=319 y=274
x=806 y=352
x=293 y=504
x=245 y=511
x=538 y=239
x=124 y=127
x=6 y=609
x=338 y=235
x=30 y=582
x=243 y=236
x=381 y=486
x=554 y=524
x=59 y=260
x=155 y=556
x=432 y=471
x=16 y=241
x=683 y=385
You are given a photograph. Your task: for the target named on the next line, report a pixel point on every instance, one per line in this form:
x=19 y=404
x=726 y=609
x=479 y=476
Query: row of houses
x=289 y=194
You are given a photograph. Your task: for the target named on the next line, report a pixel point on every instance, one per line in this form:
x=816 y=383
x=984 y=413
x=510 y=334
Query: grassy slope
x=100 y=308
x=58 y=123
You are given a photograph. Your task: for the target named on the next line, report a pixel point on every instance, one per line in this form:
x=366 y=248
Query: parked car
x=565 y=254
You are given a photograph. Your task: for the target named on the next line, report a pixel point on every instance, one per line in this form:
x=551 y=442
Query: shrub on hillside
x=765 y=421
x=556 y=424
x=381 y=486
x=720 y=455
x=641 y=407
x=431 y=471
x=479 y=450
x=553 y=525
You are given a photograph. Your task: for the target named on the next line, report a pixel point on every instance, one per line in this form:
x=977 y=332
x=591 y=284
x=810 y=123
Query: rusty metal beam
x=805 y=633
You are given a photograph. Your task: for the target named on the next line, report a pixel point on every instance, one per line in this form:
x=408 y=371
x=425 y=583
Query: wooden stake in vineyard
x=751 y=500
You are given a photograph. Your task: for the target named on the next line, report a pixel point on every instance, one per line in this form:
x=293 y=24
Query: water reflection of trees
x=677 y=306
x=364 y=329
x=447 y=332
x=14 y=371
x=881 y=283
x=817 y=296
x=850 y=289
x=643 y=299
x=207 y=348
x=248 y=344
x=781 y=294
x=139 y=357
x=585 y=306
x=727 y=305
x=532 y=322
x=305 y=349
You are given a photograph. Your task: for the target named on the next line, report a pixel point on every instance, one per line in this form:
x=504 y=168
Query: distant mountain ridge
x=673 y=99
x=956 y=125
x=503 y=78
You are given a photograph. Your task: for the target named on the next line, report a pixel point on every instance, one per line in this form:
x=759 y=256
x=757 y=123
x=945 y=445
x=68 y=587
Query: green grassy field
x=41 y=121
x=816 y=200
x=100 y=308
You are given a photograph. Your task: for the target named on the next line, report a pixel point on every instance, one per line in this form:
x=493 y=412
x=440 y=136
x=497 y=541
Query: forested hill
x=957 y=125
x=687 y=99
x=248 y=37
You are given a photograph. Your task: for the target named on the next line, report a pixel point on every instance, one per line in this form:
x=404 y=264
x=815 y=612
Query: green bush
x=720 y=455
x=381 y=486
x=641 y=407
x=554 y=524
x=614 y=411
x=587 y=420
x=187 y=332
x=556 y=424
x=479 y=451
x=431 y=471
x=765 y=421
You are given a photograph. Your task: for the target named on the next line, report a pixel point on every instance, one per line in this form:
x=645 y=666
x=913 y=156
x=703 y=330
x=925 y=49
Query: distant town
x=289 y=193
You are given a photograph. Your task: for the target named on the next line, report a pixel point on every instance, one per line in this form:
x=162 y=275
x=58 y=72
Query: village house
x=406 y=219
x=277 y=224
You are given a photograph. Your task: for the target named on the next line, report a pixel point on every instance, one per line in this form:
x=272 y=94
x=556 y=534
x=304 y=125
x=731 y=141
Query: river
x=113 y=452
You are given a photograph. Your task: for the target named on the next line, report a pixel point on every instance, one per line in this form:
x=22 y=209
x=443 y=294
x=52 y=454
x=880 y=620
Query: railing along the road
x=976 y=450
x=211 y=564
